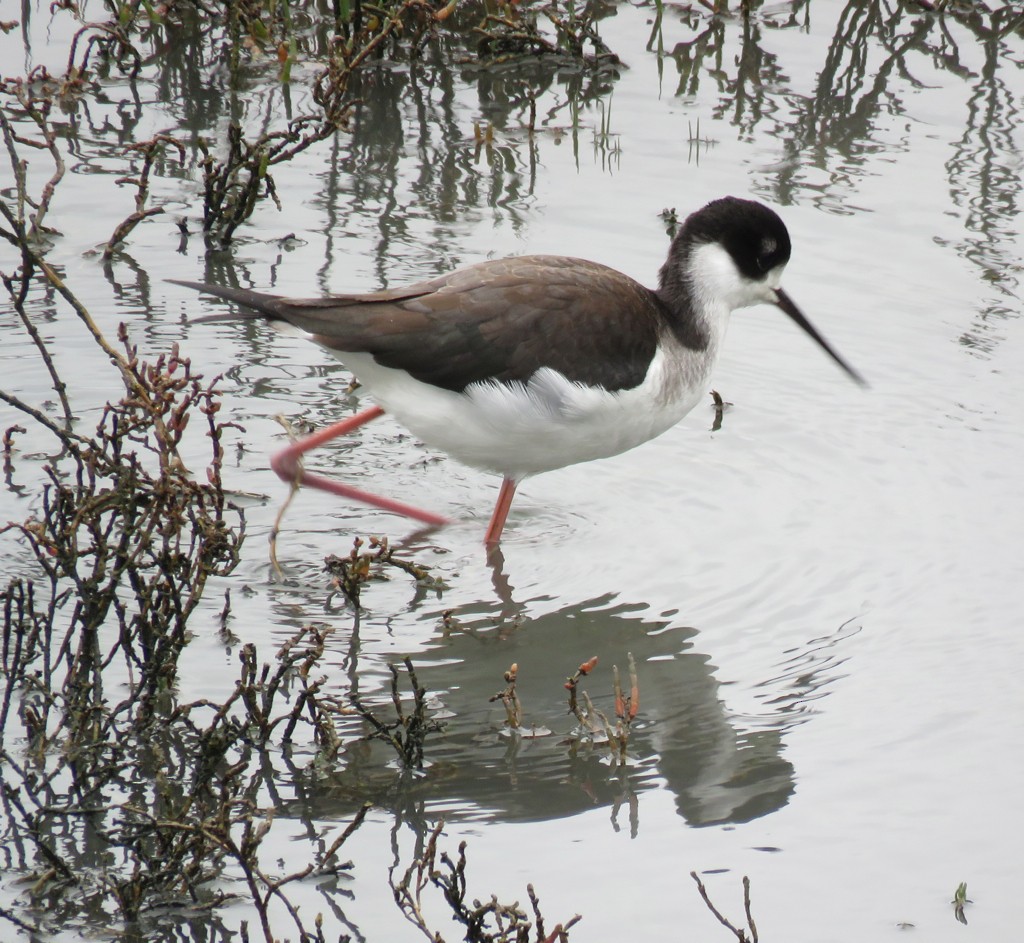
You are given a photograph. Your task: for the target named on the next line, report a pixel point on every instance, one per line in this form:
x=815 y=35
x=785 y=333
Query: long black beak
x=786 y=303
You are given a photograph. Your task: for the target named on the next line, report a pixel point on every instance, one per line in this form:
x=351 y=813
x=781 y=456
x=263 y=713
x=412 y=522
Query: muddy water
x=822 y=595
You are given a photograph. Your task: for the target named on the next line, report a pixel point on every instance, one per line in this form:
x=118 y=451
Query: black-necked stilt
x=528 y=364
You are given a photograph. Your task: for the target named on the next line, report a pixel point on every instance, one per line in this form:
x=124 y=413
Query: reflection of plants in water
x=880 y=55
x=237 y=170
x=140 y=810
x=511 y=37
x=482 y=921
x=150 y=151
x=234 y=184
x=606 y=141
x=26 y=213
x=136 y=804
x=593 y=725
x=117 y=797
x=875 y=54
x=349 y=574
x=985 y=170
x=124 y=529
x=407 y=733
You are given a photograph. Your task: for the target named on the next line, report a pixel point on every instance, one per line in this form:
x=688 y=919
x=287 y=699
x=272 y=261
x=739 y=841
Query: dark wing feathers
x=500 y=320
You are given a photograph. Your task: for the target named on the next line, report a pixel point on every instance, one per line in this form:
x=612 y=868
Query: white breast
x=523 y=429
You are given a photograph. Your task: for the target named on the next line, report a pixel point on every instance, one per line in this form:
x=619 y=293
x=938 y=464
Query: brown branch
x=741 y=935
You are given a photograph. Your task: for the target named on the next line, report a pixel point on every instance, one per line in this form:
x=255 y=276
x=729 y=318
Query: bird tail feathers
x=254 y=304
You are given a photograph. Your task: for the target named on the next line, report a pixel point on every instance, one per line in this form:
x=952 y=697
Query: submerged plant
x=407 y=733
x=482 y=921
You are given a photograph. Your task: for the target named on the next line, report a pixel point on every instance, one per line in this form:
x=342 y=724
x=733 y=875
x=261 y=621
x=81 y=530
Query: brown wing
x=500 y=320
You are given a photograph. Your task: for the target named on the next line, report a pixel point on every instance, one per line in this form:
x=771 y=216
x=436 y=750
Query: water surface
x=822 y=596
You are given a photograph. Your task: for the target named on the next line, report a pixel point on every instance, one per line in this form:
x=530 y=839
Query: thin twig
x=741 y=936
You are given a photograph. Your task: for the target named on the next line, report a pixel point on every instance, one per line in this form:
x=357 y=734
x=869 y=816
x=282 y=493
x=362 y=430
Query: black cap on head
x=753 y=234
x=757 y=241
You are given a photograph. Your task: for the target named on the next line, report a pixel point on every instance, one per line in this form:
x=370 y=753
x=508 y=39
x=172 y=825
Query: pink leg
x=501 y=509
x=286 y=465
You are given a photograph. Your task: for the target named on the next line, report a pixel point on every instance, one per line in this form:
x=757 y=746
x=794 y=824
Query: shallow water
x=822 y=596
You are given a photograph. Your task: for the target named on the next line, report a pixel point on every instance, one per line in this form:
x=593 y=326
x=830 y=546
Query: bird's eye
x=766 y=256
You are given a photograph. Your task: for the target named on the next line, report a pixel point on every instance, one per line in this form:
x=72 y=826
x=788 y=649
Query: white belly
x=523 y=429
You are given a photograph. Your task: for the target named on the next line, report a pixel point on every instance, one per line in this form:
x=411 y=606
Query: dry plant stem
x=70 y=440
x=231 y=186
x=561 y=931
x=149 y=150
x=483 y=921
x=113 y=540
x=201 y=814
x=8 y=440
x=131 y=380
x=746 y=908
x=243 y=853
x=114 y=36
x=351 y=573
x=741 y=935
x=634 y=687
x=386 y=554
x=39 y=111
x=408 y=732
x=18 y=288
x=225 y=613
x=59 y=386
x=409 y=892
x=626 y=707
x=19 y=167
x=349 y=829
x=510 y=700
x=572 y=685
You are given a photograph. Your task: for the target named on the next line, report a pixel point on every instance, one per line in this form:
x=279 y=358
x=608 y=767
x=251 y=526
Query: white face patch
x=716 y=282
